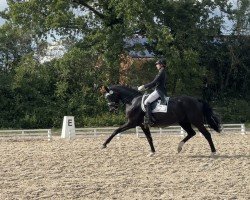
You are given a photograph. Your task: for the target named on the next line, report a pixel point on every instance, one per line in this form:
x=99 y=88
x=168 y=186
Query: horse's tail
x=211 y=118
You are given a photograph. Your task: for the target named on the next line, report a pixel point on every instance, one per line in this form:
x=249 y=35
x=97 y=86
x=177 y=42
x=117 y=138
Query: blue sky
x=3 y=5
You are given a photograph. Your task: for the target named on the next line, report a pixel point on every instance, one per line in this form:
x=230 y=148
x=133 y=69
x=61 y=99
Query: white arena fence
x=234 y=128
x=44 y=133
x=94 y=132
x=170 y=130
x=178 y=130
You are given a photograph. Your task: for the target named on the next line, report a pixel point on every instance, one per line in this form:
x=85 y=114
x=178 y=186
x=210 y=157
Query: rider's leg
x=148 y=117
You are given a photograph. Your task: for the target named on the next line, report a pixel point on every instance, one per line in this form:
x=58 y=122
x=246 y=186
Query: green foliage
x=6 y=98
x=185 y=74
x=186 y=32
x=104 y=119
x=32 y=86
x=139 y=74
x=228 y=65
x=14 y=43
x=234 y=110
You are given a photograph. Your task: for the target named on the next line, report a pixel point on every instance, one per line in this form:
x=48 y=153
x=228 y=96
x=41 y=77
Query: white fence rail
x=99 y=131
x=170 y=130
x=27 y=132
x=178 y=130
x=93 y=132
x=234 y=128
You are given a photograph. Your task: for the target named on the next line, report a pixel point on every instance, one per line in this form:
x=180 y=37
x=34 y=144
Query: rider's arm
x=155 y=81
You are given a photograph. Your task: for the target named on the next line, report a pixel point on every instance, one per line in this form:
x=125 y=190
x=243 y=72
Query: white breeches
x=152 y=97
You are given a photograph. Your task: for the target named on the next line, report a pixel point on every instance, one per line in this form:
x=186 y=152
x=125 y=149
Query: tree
x=105 y=26
x=33 y=89
x=187 y=33
x=227 y=58
x=14 y=43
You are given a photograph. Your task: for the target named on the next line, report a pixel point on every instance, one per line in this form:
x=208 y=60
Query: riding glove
x=141 y=88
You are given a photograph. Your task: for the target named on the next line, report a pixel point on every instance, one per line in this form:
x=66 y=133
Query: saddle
x=158 y=105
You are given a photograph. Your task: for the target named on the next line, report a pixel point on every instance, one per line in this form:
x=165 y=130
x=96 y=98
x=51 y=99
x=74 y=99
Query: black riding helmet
x=161 y=62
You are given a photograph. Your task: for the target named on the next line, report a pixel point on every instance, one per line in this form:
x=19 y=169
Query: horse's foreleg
x=119 y=130
x=149 y=138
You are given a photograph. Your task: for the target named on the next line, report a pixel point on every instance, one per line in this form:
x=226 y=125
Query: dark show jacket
x=159 y=82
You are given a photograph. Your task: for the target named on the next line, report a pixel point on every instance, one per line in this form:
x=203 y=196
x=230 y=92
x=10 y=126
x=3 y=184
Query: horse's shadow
x=220 y=156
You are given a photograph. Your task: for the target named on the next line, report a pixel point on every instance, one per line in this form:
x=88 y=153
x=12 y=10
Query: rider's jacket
x=159 y=82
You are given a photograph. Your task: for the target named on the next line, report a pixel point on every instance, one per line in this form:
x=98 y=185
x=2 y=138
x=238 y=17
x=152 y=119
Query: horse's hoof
x=213 y=154
x=104 y=146
x=180 y=147
x=151 y=154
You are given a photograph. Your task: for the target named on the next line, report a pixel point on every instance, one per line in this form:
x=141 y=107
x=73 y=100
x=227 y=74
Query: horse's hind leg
x=207 y=135
x=190 y=133
x=149 y=137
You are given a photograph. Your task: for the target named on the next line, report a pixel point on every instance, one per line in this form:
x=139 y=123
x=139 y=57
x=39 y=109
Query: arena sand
x=80 y=169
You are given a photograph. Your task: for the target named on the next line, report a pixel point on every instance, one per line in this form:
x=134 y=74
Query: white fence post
x=182 y=131
x=243 y=129
x=49 y=135
x=118 y=136
x=137 y=131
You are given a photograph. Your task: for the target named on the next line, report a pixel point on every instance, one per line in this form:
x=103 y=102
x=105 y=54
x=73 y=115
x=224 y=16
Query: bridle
x=113 y=104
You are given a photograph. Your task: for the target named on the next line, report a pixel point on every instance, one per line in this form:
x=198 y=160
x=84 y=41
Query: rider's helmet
x=161 y=62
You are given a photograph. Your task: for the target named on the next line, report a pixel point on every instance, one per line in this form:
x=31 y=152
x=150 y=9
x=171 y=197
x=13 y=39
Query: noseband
x=112 y=103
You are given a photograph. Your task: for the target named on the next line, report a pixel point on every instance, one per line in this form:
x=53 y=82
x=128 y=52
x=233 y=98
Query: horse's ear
x=104 y=89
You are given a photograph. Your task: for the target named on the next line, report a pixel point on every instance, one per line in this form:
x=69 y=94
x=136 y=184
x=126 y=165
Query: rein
x=124 y=101
x=123 y=96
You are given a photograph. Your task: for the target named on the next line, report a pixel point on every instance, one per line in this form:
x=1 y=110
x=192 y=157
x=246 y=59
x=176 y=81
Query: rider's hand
x=141 y=88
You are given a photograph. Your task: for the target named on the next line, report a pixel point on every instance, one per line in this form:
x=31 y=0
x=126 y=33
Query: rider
x=159 y=83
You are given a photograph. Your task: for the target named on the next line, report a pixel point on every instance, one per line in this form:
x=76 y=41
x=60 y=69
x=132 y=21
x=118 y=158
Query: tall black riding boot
x=148 y=116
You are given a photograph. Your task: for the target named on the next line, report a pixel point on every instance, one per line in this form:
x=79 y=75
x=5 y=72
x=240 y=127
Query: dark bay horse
x=183 y=110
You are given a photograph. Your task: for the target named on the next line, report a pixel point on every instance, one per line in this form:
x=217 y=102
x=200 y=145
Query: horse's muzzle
x=113 y=110
x=113 y=107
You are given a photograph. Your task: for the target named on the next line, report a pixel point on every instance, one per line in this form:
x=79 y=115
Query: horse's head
x=112 y=98
x=116 y=93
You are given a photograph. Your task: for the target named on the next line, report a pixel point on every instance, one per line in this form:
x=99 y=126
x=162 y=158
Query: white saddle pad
x=156 y=107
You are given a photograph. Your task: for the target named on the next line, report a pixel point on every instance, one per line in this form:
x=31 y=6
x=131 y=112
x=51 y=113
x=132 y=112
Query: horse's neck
x=128 y=96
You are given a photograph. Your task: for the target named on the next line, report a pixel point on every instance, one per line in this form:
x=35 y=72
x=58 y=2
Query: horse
x=183 y=110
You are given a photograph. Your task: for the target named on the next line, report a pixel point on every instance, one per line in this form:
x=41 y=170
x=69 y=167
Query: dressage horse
x=183 y=110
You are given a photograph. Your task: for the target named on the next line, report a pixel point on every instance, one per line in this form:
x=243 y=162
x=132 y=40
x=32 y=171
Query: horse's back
x=180 y=109
x=189 y=106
